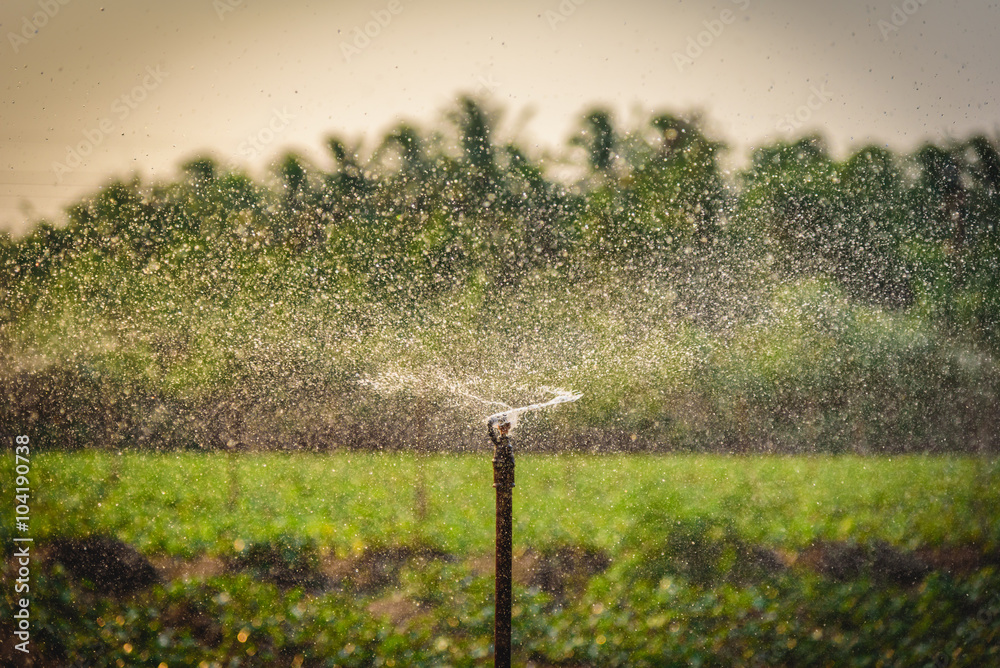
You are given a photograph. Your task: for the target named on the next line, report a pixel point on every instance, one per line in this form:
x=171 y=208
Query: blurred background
x=93 y=90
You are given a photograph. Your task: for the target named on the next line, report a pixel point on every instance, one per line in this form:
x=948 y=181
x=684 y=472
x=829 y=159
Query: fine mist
x=803 y=304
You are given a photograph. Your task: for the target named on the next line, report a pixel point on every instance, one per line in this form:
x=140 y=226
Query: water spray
x=512 y=415
x=499 y=426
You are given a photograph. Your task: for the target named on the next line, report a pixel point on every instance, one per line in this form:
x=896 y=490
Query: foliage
x=676 y=591
x=302 y=506
x=805 y=303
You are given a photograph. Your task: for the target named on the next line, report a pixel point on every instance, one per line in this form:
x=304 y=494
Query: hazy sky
x=93 y=90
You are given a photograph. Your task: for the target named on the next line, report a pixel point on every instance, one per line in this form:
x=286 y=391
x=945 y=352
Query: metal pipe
x=503 y=481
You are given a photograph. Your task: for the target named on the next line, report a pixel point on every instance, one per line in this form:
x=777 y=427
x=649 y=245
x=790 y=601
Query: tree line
x=210 y=290
x=429 y=208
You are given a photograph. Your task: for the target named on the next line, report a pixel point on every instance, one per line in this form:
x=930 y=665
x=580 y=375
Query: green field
x=186 y=504
x=623 y=560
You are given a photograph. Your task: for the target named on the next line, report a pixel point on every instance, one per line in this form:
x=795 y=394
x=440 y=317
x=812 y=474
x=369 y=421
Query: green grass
x=186 y=503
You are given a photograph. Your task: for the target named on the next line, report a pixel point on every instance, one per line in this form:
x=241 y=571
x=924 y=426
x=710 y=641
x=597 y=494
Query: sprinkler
x=499 y=426
x=503 y=481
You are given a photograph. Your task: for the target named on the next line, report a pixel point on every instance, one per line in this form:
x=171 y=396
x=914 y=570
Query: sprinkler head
x=498 y=423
